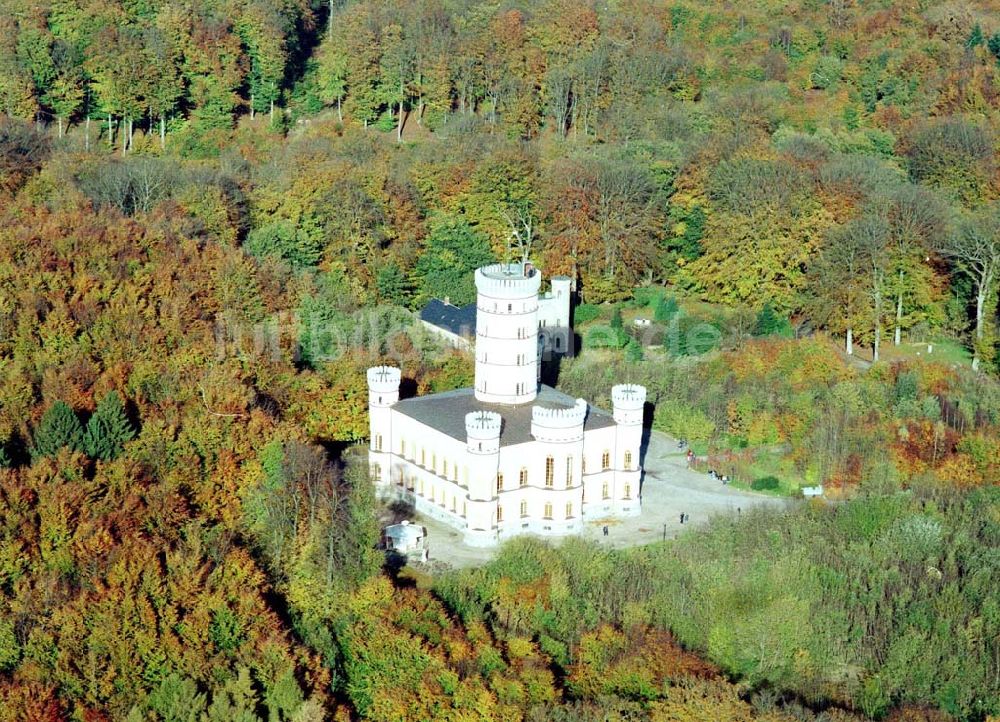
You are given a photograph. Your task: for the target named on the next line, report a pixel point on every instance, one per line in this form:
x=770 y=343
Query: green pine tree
x=769 y=322
x=616 y=318
x=666 y=309
x=59 y=427
x=975 y=38
x=108 y=429
x=633 y=351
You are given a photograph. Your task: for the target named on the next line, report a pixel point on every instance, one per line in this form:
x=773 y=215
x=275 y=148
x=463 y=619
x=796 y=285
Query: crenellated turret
x=507 y=333
x=558 y=425
x=629 y=402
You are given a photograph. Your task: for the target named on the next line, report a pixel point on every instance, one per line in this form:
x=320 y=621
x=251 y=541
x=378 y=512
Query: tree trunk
x=399 y=124
x=329 y=23
x=111 y=132
x=131 y=132
x=124 y=135
x=980 y=313
x=899 y=312
x=163 y=132
x=271 y=113
x=340 y=112
x=878 y=328
x=86 y=134
x=251 y=106
x=59 y=120
x=849 y=343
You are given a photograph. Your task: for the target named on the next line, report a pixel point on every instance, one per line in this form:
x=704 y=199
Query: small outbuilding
x=406 y=539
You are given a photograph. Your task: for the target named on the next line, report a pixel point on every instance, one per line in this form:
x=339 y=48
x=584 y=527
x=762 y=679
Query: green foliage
x=225 y=630
x=770 y=323
x=453 y=251
x=10 y=650
x=665 y=310
x=766 y=483
x=616 y=318
x=585 y=313
x=177 y=699
x=108 y=429
x=59 y=428
x=633 y=351
x=283 y=240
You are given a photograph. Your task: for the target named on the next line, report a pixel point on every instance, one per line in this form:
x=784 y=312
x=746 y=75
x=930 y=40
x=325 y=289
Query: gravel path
x=669 y=489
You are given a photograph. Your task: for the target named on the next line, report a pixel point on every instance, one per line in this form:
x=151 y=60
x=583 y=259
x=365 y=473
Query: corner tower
x=629 y=401
x=383 y=393
x=507 y=333
x=482 y=444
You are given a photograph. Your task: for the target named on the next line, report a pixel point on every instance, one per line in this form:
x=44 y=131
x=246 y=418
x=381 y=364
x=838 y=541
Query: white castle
x=509 y=456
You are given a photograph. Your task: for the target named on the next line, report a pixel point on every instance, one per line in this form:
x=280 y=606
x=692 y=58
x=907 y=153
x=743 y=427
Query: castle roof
x=445 y=412
x=460 y=320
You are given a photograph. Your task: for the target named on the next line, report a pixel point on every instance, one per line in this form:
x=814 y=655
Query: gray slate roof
x=446 y=412
x=460 y=320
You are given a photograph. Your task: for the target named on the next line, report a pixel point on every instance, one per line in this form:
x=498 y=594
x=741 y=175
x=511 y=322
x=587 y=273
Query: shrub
x=765 y=483
x=586 y=312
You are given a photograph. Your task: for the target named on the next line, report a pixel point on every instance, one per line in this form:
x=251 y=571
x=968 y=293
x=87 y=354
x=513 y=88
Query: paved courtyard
x=669 y=489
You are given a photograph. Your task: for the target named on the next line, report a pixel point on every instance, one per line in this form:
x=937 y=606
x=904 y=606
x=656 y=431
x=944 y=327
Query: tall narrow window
x=423 y=456
x=628 y=459
x=378 y=442
x=628 y=492
x=499 y=482
x=524 y=509
x=569 y=510
x=569 y=471
x=548 y=510
x=606 y=460
x=583 y=464
x=402 y=447
x=550 y=467
x=444 y=473
x=522 y=479
x=434 y=462
x=376 y=471
x=400 y=480
x=499 y=513
x=604 y=491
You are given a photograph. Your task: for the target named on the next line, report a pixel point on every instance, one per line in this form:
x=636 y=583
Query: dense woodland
x=215 y=215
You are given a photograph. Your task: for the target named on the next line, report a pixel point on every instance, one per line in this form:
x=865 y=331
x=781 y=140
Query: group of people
x=718 y=477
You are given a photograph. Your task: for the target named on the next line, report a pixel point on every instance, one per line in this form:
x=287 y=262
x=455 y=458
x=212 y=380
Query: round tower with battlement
x=559 y=426
x=629 y=401
x=507 y=333
x=482 y=443
x=383 y=392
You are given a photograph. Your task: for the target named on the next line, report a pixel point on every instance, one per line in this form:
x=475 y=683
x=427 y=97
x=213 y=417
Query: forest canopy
x=215 y=214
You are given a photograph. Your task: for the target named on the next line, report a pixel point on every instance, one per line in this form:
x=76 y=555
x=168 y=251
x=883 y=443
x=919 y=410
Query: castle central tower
x=507 y=333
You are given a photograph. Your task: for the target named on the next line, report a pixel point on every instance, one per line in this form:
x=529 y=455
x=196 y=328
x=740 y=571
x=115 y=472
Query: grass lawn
x=944 y=351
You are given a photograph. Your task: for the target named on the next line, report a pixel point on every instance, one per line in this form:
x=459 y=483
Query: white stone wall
x=438 y=475
x=553 y=317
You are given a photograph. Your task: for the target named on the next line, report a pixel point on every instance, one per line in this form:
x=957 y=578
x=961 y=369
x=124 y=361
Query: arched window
x=628 y=459
x=606 y=460
x=569 y=471
x=548 y=510
x=523 y=476
x=524 y=509
x=558 y=343
x=550 y=467
x=604 y=491
x=499 y=482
